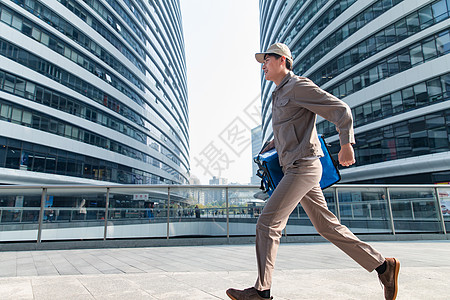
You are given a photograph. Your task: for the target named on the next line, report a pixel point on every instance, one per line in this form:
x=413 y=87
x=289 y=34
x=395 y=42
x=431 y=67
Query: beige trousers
x=301 y=184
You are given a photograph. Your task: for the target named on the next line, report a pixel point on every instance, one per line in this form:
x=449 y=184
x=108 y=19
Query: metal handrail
x=172 y=191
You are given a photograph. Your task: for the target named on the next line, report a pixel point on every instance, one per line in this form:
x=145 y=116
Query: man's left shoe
x=247 y=294
x=390 y=278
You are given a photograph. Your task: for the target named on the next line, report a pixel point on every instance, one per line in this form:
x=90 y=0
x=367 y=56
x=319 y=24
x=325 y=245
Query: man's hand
x=269 y=146
x=346 y=155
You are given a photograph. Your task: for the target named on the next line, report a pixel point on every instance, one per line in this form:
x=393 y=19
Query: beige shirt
x=296 y=102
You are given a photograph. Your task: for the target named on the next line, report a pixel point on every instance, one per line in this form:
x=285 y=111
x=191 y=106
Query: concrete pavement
x=303 y=271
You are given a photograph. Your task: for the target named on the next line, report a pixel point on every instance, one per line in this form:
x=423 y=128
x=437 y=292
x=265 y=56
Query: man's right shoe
x=247 y=294
x=389 y=278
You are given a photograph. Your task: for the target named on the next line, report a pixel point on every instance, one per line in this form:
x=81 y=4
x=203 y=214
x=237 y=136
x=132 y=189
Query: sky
x=223 y=78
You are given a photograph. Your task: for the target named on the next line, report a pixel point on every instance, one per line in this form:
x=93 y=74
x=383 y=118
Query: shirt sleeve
x=310 y=96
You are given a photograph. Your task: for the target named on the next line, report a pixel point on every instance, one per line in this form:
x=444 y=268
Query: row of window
x=327 y=17
x=16 y=21
x=344 y=32
x=54 y=72
x=20 y=155
x=307 y=14
x=419 y=95
x=22 y=116
x=427 y=49
x=419 y=136
x=285 y=24
x=41 y=35
x=29 y=90
x=103 y=12
x=330 y=15
x=164 y=51
x=415 y=22
x=51 y=18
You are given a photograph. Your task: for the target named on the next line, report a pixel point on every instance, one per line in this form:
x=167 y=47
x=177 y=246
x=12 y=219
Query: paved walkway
x=303 y=271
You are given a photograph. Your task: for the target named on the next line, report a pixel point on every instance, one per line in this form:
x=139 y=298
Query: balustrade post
x=228 y=215
x=105 y=233
x=338 y=209
x=391 y=216
x=41 y=214
x=441 y=215
x=168 y=212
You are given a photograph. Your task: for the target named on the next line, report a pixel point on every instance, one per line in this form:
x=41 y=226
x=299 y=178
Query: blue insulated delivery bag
x=270 y=172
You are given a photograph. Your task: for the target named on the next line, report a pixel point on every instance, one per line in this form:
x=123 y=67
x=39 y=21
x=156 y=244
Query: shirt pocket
x=282 y=102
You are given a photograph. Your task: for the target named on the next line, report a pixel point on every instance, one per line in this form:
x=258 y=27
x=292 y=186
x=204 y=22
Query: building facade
x=93 y=91
x=389 y=61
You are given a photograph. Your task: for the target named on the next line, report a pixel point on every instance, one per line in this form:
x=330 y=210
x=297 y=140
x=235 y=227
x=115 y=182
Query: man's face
x=272 y=67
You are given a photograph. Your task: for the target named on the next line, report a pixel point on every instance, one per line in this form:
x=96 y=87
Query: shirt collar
x=285 y=80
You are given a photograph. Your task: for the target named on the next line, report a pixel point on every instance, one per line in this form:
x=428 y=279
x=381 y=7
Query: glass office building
x=389 y=61
x=93 y=91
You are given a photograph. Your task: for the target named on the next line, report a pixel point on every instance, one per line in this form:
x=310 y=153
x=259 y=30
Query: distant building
x=194 y=180
x=216 y=196
x=389 y=61
x=218 y=180
x=93 y=91
x=256 y=148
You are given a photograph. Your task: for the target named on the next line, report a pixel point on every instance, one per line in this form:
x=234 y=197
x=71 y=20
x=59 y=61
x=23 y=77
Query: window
x=6 y=16
x=412 y=23
x=53 y=126
x=404 y=61
x=373 y=75
x=434 y=89
x=396 y=100
x=13 y=158
x=443 y=43
x=68 y=131
x=16 y=116
x=400 y=28
x=386 y=106
x=36 y=123
x=44 y=124
x=391 y=38
x=29 y=90
x=420 y=92
x=383 y=71
x=36 y=34
x=359 y=115
x=50 y=164
x=47 y=97
x=367 y=110
x=439 y=10
x=376 y=107
x=393 y=66
x=61 y=165
x=416 y=55
x=39 y=162
x=20 y=87
x=27 y=118
x=429 y=50
x=55 y=101
x=5 y=111
x=408 y=98
x=44 y=39
x=9 y=83
x=17 y=23
x=425 y=17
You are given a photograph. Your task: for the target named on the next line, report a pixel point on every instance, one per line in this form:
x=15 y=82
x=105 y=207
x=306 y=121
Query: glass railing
x=62 y=213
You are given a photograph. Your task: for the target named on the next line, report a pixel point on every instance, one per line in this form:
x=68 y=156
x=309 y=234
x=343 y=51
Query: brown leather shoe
x=390 y=278
x=247 y=294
